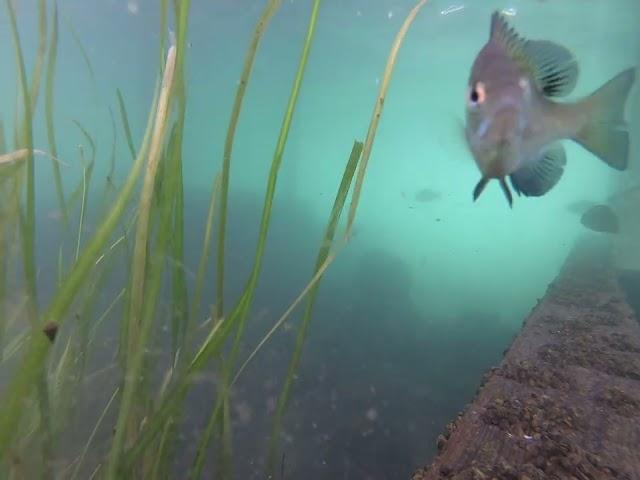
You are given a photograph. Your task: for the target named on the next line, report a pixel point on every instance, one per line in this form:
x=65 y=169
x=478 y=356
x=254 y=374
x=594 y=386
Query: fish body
x=513 y=125
x=601 y=218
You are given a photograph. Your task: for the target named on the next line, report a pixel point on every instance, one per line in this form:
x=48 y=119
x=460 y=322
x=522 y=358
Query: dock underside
x=565 y=401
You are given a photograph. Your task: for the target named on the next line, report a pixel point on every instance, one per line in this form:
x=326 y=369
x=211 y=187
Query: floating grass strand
x=24 y=154
x=35 y=354
x=134 y=362
x=125 y=123
x=263 y=21
x=377 y=112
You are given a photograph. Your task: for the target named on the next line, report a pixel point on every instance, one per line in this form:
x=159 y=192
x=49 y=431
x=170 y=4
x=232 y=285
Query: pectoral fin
x=538 y=178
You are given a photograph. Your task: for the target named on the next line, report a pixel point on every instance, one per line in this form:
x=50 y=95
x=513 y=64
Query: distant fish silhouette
x=426 y=195
x=601 y=218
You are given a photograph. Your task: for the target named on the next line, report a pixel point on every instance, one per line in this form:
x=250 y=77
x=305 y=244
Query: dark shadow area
x=630 y=283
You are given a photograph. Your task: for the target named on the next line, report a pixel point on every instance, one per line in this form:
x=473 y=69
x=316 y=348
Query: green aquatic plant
x=377 y=112
x=49 y=97
x=41 y=396
x=125 y=124
x=268 y=12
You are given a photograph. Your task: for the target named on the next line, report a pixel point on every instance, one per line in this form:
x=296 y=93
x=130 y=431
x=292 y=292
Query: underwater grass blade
x=109 y=182
x=144 y=208
x=27 y=141
x=82 y=210
x=85 y=57
x=125 y=123
x=180 y=304
x=206 y=243
x=135 y=324
x=89 y=139
x=27 y=228
x=38 y=346
x=180 y=318
x=263 y=21
x=221 y=330
x=239 y=313
x=153 y=283
x=164 y=7
x=323 y=254
x=42 y=48
x=377 y=113
x=93 y=433
x=201 y=452
x=48 y=105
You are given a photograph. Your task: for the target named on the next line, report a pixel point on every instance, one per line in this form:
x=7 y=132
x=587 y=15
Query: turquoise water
x=432 y=287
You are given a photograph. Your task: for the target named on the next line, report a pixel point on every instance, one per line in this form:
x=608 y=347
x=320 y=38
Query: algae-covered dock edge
x=38 y=398
x=565 y=401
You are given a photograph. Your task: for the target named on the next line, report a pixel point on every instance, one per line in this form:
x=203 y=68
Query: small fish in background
x=601 y=218
x=513 y=127
x=427 y=195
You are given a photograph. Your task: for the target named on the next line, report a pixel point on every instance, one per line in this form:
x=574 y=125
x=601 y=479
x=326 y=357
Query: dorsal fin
x=553 y=67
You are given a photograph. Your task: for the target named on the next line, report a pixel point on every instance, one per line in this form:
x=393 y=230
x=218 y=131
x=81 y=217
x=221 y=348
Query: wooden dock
x=565 y=401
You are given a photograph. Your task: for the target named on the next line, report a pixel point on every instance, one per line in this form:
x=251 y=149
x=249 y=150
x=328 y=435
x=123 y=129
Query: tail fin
x=605 y=134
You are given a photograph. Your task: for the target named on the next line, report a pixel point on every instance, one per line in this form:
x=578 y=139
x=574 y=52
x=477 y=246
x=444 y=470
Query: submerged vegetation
x=45 y=347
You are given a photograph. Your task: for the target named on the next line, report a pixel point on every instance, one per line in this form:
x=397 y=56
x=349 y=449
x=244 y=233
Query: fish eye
x=477 y=94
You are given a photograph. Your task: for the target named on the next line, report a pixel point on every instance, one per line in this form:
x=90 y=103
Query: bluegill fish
x=601 y=218
x=514 y=128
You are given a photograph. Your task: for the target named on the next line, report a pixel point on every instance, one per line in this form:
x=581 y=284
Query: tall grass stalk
x=80 y=460
x=244 y=305
x=125 y=123
x=180 y=301
x=211 y=347
x=323 y=255
x=48 y=102
x=206 y=243
x=268 y=12
x=377 y=113
x=40 y=55
x=38 y=345
x=85 y=57
x=238 y=316
x=135 y=322
x=28 y=227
